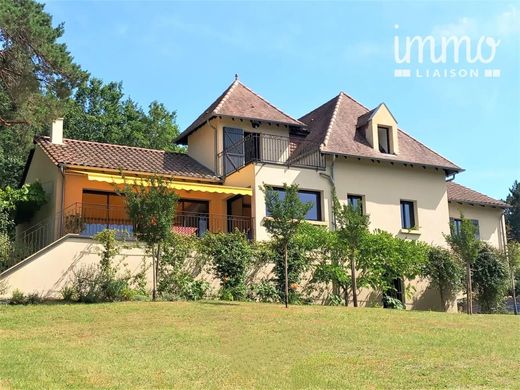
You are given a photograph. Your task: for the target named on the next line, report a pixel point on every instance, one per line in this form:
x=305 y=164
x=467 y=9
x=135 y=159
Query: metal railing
x=265 y=148
x=89 y=219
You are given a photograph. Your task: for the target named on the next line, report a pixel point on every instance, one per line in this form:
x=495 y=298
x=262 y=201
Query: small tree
x=384 y=258
x=465 y=245
x=513 y=262
x=231 y=255
x=151 y=207
x=351 y=227
x=489 y=278
x=445 y=272
x=286 y=216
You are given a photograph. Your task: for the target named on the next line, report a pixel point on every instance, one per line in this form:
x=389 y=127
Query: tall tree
x=39 y=81
x=36 y=71
x=513 y=213
x=464 y=243
x=100 y=112
x=352 y=226
x=286 y=216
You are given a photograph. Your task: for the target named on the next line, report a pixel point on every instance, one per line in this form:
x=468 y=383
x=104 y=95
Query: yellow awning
x=176 y=185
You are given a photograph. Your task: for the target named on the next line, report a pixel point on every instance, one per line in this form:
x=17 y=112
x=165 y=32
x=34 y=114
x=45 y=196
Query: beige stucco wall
x=43 y=170
x=274 y=175
x=201 y=145
x=490 y=221
x=383 y=186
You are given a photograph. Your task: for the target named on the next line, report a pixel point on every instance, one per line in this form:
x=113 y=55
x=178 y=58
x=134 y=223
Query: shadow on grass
x=219 y=303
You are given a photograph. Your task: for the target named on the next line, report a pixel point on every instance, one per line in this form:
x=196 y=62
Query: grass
x=216 y=345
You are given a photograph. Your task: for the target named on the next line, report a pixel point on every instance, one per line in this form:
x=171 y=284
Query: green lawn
x=246 y=345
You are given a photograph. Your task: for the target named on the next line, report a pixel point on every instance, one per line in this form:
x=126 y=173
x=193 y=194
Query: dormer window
x=383 y=135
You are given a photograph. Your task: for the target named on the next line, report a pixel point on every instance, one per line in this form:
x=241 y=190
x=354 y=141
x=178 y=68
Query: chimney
x=57 y=131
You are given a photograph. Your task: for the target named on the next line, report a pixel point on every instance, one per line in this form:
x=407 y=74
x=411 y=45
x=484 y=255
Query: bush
x=17 y=298
x=174 y=281
x=264 y=291
x=490 y=279
x=231 y=254
x=445 y=272
x=103 y=282
x=392 y=303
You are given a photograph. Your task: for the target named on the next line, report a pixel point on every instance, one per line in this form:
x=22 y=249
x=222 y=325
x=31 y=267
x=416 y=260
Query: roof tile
x=128 y=158
x=459 y=193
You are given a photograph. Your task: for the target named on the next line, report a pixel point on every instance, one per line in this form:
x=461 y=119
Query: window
x=456 y=226
x=407 y=214
x=356 y=202
x=383 y=134
x=314 y=197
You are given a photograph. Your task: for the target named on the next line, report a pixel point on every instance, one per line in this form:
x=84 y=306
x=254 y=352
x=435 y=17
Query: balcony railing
x=89 y=219
x=264 y=148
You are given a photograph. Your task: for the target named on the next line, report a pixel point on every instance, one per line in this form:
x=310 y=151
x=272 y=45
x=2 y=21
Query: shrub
x=445 y=272
x=230 y=254
x=175 y=282
x=264 y=291
x=393 y=303
x=489 y=279
x=17 y=298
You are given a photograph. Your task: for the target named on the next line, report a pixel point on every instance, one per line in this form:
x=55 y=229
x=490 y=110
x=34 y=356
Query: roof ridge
x=332 y=119
x=226 y=94
x=430 y=149
x=47 y=138
x=354 y=100
x=268 y=102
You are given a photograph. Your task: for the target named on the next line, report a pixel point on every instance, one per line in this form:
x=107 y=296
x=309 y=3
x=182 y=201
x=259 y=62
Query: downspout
x=332 y=183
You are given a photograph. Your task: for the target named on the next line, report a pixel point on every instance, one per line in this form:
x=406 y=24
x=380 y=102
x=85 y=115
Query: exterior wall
x=43 y=170
x=490 y=221
x=307 y=179
x=201 y=145
x=383 y=186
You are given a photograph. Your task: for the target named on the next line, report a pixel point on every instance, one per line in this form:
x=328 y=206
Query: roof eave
x=449 y=170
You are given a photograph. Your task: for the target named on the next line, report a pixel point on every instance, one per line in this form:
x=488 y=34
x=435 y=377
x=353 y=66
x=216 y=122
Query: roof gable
x=334 y=125
x=367 y=117
x=240 y=102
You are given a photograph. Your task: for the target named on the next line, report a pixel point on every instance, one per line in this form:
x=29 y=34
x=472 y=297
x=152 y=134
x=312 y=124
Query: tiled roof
x=127 y=158
x=459 y=193
x=240 y=102
x=334 y=125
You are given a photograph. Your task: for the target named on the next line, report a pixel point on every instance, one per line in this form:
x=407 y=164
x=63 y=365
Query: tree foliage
x=36 y=71
x=39 y=81
x=230 y=254
x=351 y=229
x=513 y=213
x=100 y=112
x=384 y=258
x=445 y=272
x=465 y=245
x=490 y=278
x=286 y=217
x=151 y=207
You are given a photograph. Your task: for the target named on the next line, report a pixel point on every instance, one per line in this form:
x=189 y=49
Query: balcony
x=89 y=219
x=271 y=149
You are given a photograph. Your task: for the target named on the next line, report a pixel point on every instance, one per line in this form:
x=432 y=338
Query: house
x=239 y=143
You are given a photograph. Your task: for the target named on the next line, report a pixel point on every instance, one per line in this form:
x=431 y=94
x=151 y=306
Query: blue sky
x=300 y=54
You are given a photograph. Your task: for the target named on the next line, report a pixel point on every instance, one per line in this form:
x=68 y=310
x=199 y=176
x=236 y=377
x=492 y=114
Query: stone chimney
x=57 y=131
